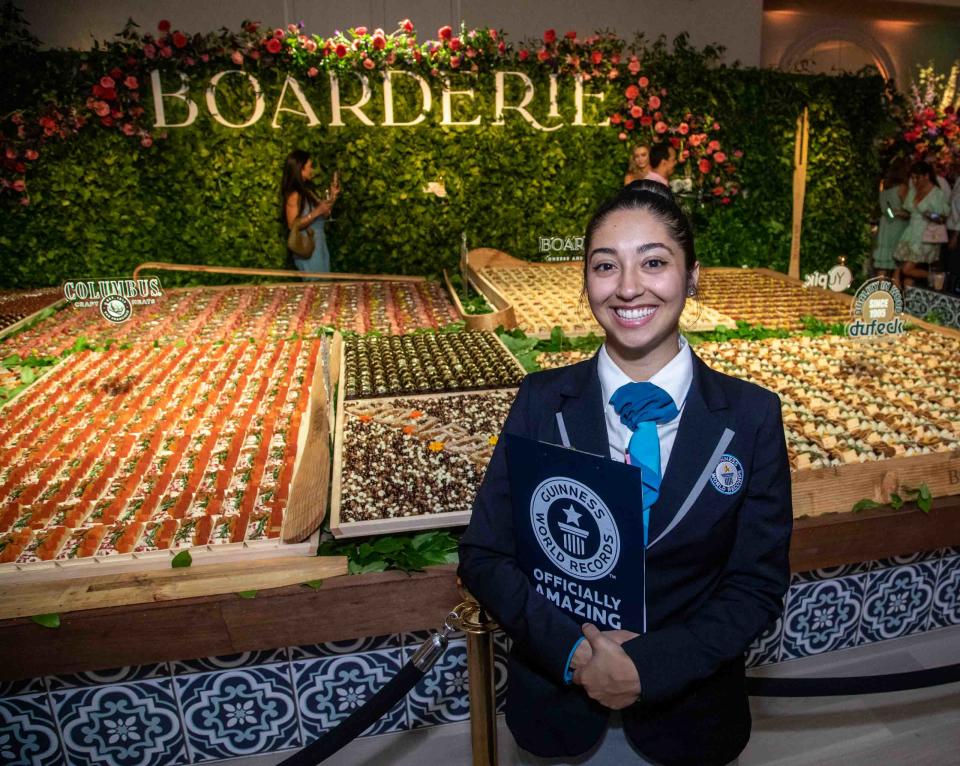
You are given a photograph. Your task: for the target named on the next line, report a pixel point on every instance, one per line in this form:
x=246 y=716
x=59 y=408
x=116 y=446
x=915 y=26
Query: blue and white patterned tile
x=766 y=648
x=910 y=558
x=238 y=712
x=502 y=642
x=832 y=573
x=353 y=646
x=946 y=598
x=822 y=616
x=329 y=689
x=897 y=601
x=23 y=686
x=229 y=661
x=121 y=725
x=443 y=694
x=28 y=732
x=108 y=677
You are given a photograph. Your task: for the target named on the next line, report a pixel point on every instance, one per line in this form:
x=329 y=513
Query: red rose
x=379 y=43
x=106 y=121
x=660 y=127
x=719 y=157
x=542 y=54
x=455 y=62
x=550 y=36
x=455 y=44
x=360 y=31
x=616 y=119
x=501 y=47
x=615 y=59
x=417 y=55
x=646 y=120
x=716 y=126
x=341 y=50
x=725 y=201
x=30 y=154
x=107 y=82
x=116 y=73
x=704 y=165
x=179 y=40
x=406 y=25
x=683 y=128
x=653 y=102
x=273 y=45
x=524 y=54
x=164 y=26
x=570 y=35
x=596 y=57
x=636 y=111
x=674 y=142
x=252 y=26
x=131 y=82
x=629 y=124
x=445 y=33
x=713 y=146
x=632 y=92
x=19 y=185
x=149 y=51
x=109 y=94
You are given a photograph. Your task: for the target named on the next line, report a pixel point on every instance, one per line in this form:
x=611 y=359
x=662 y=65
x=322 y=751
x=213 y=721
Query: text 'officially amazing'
x=578 y=599
x=513 y=93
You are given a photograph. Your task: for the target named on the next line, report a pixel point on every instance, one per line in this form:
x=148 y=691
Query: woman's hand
x=610 y=677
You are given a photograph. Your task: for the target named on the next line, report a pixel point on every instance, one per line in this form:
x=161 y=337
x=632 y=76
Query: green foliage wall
x=101 y=203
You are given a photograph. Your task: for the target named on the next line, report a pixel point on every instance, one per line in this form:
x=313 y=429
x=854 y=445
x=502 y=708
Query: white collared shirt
x=674 y=377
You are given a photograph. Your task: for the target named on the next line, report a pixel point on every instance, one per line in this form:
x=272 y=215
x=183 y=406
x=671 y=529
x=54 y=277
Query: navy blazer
x=717 y=570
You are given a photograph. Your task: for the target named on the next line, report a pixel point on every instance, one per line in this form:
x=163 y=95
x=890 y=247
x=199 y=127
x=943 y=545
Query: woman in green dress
x=893 y=218
x=926 y=204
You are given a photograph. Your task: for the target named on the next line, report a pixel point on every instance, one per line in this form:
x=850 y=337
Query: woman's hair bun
x=652 y=187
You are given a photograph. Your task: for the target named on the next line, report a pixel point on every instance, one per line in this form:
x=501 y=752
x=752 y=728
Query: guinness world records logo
x=574 y=528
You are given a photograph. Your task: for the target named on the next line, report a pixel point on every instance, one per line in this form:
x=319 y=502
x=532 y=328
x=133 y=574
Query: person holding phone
x=302 y=207
x=927 y=204
x=717 y=570
x=893 y=218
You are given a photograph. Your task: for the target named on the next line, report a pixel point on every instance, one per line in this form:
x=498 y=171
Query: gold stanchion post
x=474 y=621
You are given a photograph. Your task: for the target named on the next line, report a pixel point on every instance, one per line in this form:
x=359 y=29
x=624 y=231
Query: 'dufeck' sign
x=456 y=93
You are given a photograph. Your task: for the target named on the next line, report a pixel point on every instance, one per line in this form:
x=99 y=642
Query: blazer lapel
x=581 y=406
x=702 y=430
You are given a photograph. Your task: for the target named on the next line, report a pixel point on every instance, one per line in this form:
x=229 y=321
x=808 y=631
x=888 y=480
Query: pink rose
x=634 y=66
x=455 y=44
x=622 y=136
x=653 y=102
x=279 y=34
x=471 y=53
x=310 y=44
x=19 y=185
x=713 y=146
x=720 y=157
x=716 y=126
x=107 y=82
x=146 y=141
x=360 y=31
x=292 y=28
x=613 y=74
x=149 y=51
x=694 y=140
x=24 y=201
x=631 y=92
x=313 y=72
x=406 y=25
x=660 y=127
x=131 y=82
x=379 y=42
x=368 y=63
x=273 y=45
x=636 y=111
x=166 y=51
x=237 y=58
x=683 y=128
x=542 y=54
x=643 y=82
x=254 y=54
x=128 y=129
x=455 y=62
x=738 y=154
x=102 y=109
x=30 y=154
x=684 y=155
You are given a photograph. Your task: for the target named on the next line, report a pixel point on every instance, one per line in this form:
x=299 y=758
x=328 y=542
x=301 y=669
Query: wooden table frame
x=377 y=604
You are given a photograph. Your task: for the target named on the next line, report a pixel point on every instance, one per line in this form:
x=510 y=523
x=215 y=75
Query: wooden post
x=799 y=188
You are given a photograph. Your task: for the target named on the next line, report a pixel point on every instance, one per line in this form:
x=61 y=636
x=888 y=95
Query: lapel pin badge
x=727 y=477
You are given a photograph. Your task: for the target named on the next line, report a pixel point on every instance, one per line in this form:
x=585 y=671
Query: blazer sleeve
x=488 y=565
x=749 y=593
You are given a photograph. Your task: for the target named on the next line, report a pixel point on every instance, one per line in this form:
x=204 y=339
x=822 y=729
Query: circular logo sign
x=839 y=278
x=115 y=308
x=727 y=477
x=574 y=528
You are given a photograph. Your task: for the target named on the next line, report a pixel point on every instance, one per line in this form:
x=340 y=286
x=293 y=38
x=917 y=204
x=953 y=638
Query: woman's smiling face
x=636 y=285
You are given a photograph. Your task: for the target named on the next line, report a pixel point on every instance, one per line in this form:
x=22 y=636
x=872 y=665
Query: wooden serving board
x=100 y=591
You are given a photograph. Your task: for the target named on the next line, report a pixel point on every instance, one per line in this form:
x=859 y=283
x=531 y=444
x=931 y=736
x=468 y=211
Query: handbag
x=300 y=242
x=935 y=234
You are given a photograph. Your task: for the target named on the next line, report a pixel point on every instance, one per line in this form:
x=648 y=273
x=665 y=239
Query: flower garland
x=932 y=128
x=112 y=92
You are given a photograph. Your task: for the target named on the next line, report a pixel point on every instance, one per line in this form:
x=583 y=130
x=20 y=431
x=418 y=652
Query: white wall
x=735 y=24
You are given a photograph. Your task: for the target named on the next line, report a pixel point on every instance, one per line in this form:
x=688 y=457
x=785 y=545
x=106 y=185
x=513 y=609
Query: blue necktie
x=640 y=407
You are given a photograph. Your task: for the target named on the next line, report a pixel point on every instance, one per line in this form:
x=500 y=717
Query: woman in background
x=302 y=207
x=926 y=203
x=893 y=218
x=639 y=164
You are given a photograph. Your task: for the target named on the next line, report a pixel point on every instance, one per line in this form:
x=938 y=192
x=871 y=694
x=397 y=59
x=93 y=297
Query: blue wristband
x=567 y=672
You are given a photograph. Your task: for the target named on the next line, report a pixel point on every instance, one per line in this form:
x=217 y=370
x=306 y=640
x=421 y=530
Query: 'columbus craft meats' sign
x=114 y=297
x=513 y=94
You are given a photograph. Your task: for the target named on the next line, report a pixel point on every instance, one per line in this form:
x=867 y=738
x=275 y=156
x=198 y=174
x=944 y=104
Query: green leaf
x=315 y=584
x=182 y=559
x=863 y=505
x=247 y=593
x=47 y=620
x=925 y=504
x=896 y=502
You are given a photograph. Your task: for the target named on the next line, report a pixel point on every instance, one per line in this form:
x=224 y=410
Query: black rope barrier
x=852 y=685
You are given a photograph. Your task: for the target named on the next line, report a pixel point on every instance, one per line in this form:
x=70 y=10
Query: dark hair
x=897 y=173
x=922 y=168
x=659 y=153
x=655 y=198
x=292 y=181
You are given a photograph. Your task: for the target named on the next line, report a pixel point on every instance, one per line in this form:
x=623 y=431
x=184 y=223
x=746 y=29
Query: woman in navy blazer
x=717 y=559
